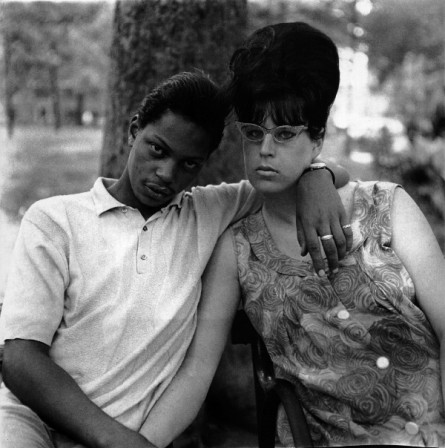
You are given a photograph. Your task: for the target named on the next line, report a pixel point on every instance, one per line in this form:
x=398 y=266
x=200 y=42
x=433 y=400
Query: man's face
x=165 y=158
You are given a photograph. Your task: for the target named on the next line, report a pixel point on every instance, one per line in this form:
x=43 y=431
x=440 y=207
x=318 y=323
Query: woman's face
x=274 y=167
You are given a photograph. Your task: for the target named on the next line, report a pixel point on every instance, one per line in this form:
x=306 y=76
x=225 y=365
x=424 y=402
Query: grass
x=37 y=163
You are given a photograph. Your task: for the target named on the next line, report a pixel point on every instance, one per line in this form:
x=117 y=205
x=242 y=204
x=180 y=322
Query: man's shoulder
x=58 y=208
x=221 y=190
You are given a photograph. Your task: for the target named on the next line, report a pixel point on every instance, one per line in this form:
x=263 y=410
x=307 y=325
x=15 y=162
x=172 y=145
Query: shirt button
x=143 y=257
x=144 y=228
x=382 y=362
x=343 y=314
x=412 y=428
x=124 y=210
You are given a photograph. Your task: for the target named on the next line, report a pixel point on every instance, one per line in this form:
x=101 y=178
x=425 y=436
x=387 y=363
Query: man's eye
x=156 y=149
x=188 y=165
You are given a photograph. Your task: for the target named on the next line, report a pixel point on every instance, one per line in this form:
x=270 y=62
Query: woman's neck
x=279 y=213
x=279 y=209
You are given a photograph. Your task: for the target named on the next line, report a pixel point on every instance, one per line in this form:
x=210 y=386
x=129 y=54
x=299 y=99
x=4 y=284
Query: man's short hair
x=194 y=96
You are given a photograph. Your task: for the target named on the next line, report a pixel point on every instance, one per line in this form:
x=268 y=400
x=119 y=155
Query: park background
x=72 y=74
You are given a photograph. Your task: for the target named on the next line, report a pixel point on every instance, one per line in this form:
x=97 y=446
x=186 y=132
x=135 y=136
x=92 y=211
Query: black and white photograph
x=222 y=223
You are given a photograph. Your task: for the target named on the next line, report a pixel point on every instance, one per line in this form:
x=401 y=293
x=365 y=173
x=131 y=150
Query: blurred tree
x=10 y=87
x=43 y=55
x=396 y=28
x=405 y=43
x=88 y=54
x=153 y=39
x=331 y=16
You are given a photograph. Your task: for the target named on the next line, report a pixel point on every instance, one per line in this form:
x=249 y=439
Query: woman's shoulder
x=368 y=206
x=370 y=187
x=374 y=191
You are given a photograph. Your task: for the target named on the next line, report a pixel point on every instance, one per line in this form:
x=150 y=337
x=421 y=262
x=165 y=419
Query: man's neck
x=121 y=190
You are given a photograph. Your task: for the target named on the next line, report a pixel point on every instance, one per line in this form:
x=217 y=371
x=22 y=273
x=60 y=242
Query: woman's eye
x=285 y=135
x=254 y=134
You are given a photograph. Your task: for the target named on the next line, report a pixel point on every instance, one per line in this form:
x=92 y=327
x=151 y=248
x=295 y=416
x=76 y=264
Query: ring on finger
x=326 y=237
x=346 y=226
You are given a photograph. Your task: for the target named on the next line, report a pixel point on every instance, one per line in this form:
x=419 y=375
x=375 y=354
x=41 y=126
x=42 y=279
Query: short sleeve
x=226 y=203
x=34 y=298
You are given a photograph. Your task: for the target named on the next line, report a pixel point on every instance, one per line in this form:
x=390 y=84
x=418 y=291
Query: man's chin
x=150 y=202
x=152 y=198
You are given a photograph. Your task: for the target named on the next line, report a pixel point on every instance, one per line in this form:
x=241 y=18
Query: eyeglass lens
x=280 y=134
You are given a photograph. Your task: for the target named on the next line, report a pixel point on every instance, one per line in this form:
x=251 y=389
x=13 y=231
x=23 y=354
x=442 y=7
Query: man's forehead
x=180 y=134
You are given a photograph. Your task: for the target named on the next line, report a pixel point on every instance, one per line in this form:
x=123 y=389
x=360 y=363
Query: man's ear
x=133 y=130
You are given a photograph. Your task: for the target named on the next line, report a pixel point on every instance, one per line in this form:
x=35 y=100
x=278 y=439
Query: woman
x=363 y=346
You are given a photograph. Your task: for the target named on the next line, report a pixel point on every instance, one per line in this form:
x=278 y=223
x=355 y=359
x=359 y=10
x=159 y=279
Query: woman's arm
x=417 y=247
x=181 y=401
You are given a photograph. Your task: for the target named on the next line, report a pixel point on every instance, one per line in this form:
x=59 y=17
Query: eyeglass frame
x=297 y=129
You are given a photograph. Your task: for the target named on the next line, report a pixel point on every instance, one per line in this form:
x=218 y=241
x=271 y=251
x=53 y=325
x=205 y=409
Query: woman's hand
x=320 y=212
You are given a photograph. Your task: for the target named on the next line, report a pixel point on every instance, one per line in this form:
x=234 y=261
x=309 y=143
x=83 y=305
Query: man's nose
x=166 y=171
x=267 y=146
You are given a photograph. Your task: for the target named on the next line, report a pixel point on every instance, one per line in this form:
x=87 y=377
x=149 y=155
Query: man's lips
x=159 y=190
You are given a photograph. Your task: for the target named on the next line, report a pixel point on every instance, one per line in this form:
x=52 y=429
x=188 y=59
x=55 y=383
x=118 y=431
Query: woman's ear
x=318 y=146
x=133 y=130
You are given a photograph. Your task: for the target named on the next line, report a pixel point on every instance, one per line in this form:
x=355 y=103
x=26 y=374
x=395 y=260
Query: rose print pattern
x=360 y=352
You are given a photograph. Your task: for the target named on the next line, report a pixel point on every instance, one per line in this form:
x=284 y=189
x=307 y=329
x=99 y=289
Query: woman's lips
x=266 y=171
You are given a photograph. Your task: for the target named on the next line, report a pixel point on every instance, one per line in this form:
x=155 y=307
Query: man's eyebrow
x=197 y=159
x=150 y=138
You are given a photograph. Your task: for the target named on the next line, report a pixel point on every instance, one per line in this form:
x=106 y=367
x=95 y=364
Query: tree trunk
x=78 y=111
x=55 y=95
x=9 y=87
x=154 y=39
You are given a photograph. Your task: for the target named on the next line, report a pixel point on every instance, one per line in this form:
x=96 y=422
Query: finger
x=347 y=232
x=340 y=240
x=330 y=249
x=314 y=249
x=301 y=240
x=349 y=235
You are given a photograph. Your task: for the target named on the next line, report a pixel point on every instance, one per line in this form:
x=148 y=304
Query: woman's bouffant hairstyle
x=290 y=70
x=194 y=96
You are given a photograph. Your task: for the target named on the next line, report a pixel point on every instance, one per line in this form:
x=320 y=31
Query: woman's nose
x=267 y=146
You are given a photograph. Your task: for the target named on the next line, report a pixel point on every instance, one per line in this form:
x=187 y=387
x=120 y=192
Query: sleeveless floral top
x=361 y=354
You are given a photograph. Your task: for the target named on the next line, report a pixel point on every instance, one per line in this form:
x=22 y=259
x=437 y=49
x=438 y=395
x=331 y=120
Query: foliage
x=50 y=46
x=331 y=16
x=396 y=28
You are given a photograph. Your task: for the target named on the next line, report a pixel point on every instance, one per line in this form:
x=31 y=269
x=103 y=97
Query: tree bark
x=9 y=87
x=154 y=39
x=55 y=96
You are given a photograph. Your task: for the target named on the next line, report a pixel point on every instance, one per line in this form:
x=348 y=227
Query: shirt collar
x=103 y=201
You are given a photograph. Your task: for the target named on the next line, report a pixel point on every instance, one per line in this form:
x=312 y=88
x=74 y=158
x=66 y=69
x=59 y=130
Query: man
x=101 y=303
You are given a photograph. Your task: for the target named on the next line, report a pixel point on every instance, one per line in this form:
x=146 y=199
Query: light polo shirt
x=114 y=295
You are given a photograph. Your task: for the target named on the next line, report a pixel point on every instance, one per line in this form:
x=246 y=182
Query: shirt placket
x=146 y=242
